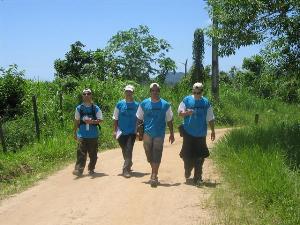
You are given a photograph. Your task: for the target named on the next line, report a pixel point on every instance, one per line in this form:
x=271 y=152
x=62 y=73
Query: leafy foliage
x=137 y=53
x=243 y=23
x=12 y=91
x=134 y=54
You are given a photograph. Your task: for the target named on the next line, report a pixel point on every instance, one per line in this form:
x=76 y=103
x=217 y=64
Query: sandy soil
x=108 y=198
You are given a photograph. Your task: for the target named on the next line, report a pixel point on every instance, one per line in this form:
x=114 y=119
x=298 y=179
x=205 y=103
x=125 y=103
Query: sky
x=33 y=33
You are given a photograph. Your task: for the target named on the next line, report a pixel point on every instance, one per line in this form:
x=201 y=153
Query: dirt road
x=109 y=199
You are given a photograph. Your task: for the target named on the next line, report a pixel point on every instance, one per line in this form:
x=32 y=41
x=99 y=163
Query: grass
x=259 y=164
x=22 y=169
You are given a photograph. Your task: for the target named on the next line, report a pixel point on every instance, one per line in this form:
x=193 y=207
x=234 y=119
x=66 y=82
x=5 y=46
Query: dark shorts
x=153 y=148
x=193 y=147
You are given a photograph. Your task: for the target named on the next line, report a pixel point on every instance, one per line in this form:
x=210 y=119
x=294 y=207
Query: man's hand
x=171 y=138
x=115 y=135
x=88 y=120
x=213 y=136
x=75 y=137
x=189 y=112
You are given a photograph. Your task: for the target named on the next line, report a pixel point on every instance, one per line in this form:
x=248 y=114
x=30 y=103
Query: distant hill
x=172 y=79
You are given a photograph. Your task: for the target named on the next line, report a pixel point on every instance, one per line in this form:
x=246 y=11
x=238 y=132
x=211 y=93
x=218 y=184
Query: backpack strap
x=93 y=114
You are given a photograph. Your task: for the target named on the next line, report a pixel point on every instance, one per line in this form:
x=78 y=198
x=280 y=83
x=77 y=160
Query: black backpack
x=92 y=115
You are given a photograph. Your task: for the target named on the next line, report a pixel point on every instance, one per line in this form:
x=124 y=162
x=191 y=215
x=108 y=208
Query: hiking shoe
x=91 y=172
x=77 y=173
x=154 y=182
x=126 y=174
x=198 y=181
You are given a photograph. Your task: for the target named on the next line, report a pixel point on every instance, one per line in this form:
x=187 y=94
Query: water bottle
x=87 y=126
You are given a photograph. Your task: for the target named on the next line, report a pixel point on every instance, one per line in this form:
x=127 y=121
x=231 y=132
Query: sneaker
x=198 y=181
x=77 y=173
x=126 y=174
x=91 y=172
x=154 y=182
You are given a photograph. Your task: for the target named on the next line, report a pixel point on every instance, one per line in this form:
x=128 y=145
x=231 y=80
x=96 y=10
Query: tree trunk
x=215 y=66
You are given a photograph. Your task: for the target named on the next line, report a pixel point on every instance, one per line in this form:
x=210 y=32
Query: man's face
x=87 y=96
x=197 y=92
x=154 y=92
x=128 y=94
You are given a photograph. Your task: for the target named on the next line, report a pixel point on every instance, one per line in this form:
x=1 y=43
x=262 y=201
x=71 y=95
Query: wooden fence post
x=36 y=118
x=61 y=109
x=256 y=118
x=2 y=138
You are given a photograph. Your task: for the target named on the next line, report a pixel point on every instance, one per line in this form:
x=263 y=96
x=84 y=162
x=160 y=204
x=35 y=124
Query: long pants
x=196 y=164
x=126 y=143
x=90 y=146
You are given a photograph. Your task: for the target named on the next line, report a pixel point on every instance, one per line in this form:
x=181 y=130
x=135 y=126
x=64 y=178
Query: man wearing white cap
x=154 y=113
x=125 y=127
x=87 y=117
x=197 y=112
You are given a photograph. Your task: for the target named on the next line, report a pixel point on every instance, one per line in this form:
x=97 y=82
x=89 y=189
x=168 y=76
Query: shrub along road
x=108 y=198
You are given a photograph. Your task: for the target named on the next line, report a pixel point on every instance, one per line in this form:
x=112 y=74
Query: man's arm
x=140 y=129
x=169 y=118
x=182 y=110
x=170 y=125
x=212 y=127
x=76 y=126
x=211 y=121
x=97 y=121
x=115 y=128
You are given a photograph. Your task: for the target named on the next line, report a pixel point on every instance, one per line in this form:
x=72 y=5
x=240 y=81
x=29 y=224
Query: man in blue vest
x=154 y=113
x=125 y=127
x=197 y=112
x=87 y=117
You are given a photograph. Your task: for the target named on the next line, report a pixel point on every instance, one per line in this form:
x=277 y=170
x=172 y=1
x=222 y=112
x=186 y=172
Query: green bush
x=12 y=91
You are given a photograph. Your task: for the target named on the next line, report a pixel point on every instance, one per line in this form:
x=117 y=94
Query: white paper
x=118 y=133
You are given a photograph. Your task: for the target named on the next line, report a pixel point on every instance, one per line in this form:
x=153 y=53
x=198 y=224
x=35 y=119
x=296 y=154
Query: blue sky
x=36 y=32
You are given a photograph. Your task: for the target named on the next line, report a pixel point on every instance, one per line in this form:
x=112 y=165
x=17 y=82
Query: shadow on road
x=205 y=183
x=163 y=184
x=93 y=176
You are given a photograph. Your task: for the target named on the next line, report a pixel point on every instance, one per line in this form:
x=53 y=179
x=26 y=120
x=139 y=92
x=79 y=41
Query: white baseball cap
x=154 y=84
x=129 y=88
x=86 y=90
x=198 y=85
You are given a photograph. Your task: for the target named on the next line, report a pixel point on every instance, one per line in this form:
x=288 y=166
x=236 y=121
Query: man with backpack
x=87 y=117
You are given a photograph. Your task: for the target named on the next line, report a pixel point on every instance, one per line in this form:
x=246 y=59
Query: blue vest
x=92 y=131
x=196 y=124
x=127 y=116
x=155 y=117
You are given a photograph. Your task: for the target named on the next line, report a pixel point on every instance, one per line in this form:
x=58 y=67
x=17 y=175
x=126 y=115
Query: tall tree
x=198 y=55
x=77 y=63
x=248 y=22
x=139 y=54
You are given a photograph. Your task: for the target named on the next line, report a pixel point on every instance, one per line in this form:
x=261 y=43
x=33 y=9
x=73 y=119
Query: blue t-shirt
x=91 y=131
x=127 y=116
x=196 y=124
x=155 y=117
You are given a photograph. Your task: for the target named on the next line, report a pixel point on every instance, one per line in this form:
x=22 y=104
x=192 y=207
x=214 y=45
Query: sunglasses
x=196 y=93
x=86 y=94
